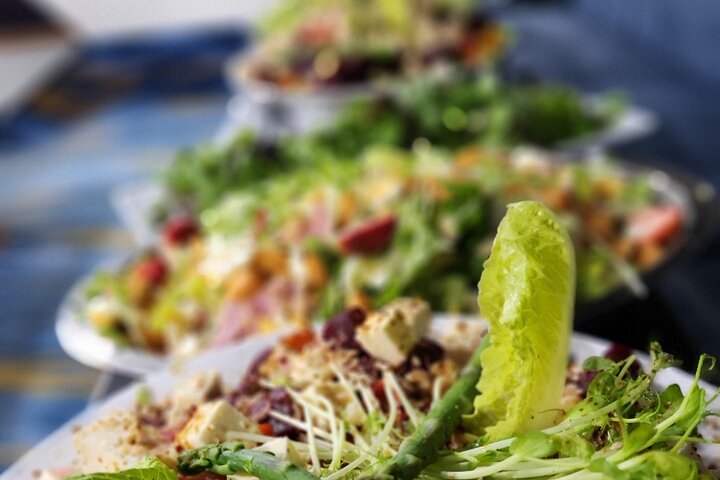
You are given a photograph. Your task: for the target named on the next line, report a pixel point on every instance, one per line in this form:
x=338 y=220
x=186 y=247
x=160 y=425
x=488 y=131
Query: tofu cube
x=211 y=423
x=461 y=339
x=416 y=314
x=283 y=449
x=194 y=390
x=391 y=333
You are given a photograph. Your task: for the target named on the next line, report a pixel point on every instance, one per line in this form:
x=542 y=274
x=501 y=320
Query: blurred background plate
x=58 y=451
x=281 y=111
x=80 y=340
x=701 y=213
x=634 y=123
x=135 y=204
x=276 y=111
x=273 y=113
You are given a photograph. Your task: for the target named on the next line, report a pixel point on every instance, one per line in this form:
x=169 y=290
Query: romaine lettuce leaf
x=526 y=294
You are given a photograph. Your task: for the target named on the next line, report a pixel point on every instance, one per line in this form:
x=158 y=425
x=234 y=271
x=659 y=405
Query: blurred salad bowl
x=311 y=45
x=397 y=223
x=312 y=58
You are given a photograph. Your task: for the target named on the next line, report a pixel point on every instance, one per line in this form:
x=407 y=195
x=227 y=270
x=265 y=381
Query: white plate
x=57 y=451
x=82 y=342
x=277 y=111
x=134 y=203
x=634 y=123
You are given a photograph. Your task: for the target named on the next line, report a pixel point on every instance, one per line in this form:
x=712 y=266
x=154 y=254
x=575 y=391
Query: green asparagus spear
x=231 y=457
x=422 y=447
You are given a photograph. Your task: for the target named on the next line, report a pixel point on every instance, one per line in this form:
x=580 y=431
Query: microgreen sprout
x=623 y=429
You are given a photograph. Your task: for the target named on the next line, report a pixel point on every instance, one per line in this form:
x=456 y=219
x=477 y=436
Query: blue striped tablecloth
x=92 y=129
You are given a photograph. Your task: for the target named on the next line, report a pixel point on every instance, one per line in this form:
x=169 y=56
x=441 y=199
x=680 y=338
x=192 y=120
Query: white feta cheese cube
x=461 y=338
x=415 y=313
x=391 y=333
x=211 y=423
x=385 y=336
x=283 y=449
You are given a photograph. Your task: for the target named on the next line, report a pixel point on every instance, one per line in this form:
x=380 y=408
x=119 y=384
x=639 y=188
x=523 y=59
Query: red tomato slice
x=151 y=270
x=180 y=230
x=655 y=224
x=372 y=236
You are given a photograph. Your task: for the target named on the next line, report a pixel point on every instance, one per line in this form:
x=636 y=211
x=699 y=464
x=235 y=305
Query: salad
x=375 y=396
x=395 y=223
x=448 y=113
x=363 y=233
x=314 y=44
x=464 y=109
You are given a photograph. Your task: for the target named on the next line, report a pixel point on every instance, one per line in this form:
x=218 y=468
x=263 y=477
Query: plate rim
x=82 y=343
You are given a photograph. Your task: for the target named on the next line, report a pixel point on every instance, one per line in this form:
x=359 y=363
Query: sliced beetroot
x=263 y=402
x=340 y=330
x=618 y=352
x=370 y=237
x=259 y=409
x=250 y=383
x=180 y=230
x=280 y=401
x=203 y=476
x=378 y=389
x=427 y=352
x=584 y=380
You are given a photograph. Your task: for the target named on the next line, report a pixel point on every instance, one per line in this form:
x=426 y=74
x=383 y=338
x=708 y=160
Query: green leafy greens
x=623 y=429
x=449 y=114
